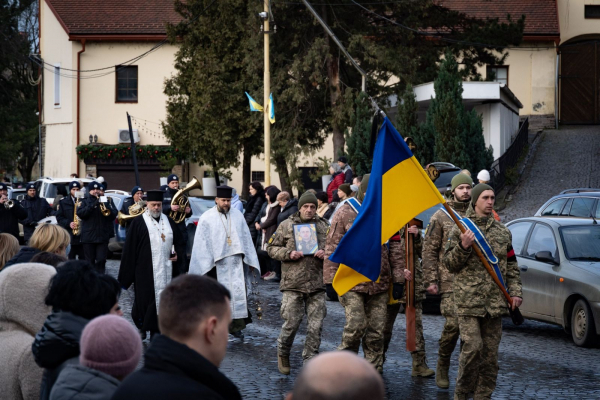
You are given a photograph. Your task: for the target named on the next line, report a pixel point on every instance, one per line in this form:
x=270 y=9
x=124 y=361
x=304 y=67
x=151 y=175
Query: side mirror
x=545 y=256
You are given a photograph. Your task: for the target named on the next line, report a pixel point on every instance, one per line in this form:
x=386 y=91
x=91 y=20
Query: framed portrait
x=305 y=238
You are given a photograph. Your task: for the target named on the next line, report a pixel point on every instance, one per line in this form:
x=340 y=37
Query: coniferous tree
x=408 y=125
x=358 y=140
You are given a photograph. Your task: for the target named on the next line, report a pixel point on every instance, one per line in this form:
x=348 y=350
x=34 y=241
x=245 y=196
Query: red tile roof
x=114 y=17
x=541 y=16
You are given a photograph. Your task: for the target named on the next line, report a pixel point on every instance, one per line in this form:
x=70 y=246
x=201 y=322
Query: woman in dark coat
x=255 y=203
x=266 y=226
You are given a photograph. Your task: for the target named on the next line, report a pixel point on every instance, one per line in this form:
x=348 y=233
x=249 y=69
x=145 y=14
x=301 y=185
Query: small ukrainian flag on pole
x=271 y=109
x=254 y=106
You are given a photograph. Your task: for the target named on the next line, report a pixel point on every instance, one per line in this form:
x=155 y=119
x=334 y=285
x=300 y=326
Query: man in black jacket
x=96 y=227
x=194 y=316
x=36 y=208
x=136 y=195
x=65 y=214
x=9 y=217
x=181 y=265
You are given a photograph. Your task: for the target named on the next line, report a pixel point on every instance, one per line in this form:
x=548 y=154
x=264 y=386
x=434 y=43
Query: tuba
x=135 y=210
x=181 y=200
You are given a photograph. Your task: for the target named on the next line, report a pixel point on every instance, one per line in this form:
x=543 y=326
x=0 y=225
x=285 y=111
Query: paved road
x=537 y=360
x=565 y=158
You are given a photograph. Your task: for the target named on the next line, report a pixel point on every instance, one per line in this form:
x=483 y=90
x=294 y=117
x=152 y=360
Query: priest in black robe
x=147 y=261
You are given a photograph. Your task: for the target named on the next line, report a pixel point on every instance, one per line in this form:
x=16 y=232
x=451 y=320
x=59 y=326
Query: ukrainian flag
x=271 y=109
x=398 y=190
x=254 y=106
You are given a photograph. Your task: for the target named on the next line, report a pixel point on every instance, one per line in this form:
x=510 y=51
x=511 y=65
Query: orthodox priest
x=223 y=245
x=147 y=261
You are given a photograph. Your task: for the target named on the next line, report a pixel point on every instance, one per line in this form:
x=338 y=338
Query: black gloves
x=331 y=293
x=397 y=291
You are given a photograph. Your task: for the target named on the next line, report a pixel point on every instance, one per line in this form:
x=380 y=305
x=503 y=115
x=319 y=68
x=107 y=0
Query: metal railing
x=510 y=157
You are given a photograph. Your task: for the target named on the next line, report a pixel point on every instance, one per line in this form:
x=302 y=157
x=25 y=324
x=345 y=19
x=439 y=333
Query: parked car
x=199 y=206
x=115 y=244
x=48 y=188
x=16 y=194
x=559 y=261
x=447 y=172
x=583 y=203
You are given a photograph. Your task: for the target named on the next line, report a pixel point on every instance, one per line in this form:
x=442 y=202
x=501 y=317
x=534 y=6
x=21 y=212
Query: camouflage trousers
x=450 y=333
x=365 y=322
x=393 y=310
x=293 y=307
x=478 y=361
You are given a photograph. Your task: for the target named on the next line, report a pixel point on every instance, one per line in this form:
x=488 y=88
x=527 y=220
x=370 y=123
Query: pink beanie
x=110 y=344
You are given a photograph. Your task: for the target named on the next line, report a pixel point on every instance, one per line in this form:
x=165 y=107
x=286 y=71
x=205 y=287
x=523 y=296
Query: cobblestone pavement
x=537 y=360
x=565 y=158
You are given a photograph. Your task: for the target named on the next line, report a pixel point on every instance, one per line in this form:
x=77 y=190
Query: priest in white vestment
x=223 y=242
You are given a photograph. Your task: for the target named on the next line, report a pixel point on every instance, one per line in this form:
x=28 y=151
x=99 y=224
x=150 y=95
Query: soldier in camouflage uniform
x=437 y=278
x=480 y=304
x=398 y=252
x=365 y=305
x=301 y=282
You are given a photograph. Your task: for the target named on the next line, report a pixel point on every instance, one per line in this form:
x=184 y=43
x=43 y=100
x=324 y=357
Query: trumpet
x=8 y=204
x=181 y=200
x=103 y=209
x=135 y=210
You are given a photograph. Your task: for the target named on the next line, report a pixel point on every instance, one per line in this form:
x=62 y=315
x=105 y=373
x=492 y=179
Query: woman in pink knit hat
x=111 y=349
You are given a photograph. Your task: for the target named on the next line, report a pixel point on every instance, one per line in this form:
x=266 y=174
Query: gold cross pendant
x=162 y=236
x=228 y=242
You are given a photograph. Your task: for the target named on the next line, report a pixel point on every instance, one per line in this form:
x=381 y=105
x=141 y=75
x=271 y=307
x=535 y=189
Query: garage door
x=123 y=178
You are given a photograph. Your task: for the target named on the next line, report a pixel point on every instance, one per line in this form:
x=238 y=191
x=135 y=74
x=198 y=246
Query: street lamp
x=95 y=138
x=91 y=139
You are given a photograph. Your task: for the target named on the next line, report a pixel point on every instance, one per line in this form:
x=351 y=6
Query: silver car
x=559 y=261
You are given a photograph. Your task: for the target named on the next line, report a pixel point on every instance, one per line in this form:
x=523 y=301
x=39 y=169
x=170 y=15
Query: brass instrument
x=135 y=210
x=8 y=204
x=76 y=220
x=181 y=200
x=104 y=210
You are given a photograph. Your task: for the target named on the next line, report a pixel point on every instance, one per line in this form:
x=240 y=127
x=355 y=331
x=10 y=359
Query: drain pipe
x=78 y=95
x=556 y=83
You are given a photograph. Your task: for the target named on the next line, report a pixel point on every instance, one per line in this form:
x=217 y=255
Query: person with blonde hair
x=9 y=246
x=47 y=237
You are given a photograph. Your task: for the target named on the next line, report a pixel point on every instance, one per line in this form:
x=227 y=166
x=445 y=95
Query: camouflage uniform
x=365 y=304
x=435 y=273
x=480 y=305
x=302 y=287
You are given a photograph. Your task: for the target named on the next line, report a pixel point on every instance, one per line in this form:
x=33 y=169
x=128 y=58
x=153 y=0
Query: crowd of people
x=63 y=336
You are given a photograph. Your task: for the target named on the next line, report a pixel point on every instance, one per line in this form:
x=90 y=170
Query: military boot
x=283 y=363
x=441 y=373
x=419 y=365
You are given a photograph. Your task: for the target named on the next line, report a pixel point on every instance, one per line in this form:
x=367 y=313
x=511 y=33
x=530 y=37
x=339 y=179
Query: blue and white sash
x=352 y=202
x=482 y=243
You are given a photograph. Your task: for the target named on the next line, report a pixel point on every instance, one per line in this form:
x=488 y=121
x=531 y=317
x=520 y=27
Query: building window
x=497 y=74
x=592 y=11
x=57 y=86
x=258 y=176
x=127 y=84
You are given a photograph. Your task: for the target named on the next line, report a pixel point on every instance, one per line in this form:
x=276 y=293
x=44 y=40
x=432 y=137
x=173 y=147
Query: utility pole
x=267 y=91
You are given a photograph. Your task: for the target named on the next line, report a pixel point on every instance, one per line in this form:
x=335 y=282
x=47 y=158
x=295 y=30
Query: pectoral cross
x=162 y=236
x=228 y=242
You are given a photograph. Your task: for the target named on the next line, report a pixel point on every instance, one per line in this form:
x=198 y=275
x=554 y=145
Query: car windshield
x=200 y=206
x=53 y=189
x=445 y=178
x=582 y=243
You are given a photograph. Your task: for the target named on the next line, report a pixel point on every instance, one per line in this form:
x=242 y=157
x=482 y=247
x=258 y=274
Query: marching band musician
x=136 y=196
x=36 y=208
x=65 y=215
x=181 y=265
x=95 y=226
x=10 y=215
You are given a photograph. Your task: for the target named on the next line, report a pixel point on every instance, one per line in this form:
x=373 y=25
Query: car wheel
x=582 y=324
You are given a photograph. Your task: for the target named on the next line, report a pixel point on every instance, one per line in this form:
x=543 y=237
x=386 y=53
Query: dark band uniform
x=9 y=219
x=65 y=213
x=37 y=209
x=181 y=265
x=96 y=228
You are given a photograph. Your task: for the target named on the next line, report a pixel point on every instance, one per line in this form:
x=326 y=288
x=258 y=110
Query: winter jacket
x=237 y=203
x=83 y=383
x=22 y=313
x=56 y=345
x=169 y=194
x=253 y=207
x=64 y=215
x=176 y=372
x=95 y=227
x=336 y=180
x=270 y=222
x=24 y=255
x=37 y=209
x=304 y=275
x=348 y=174
x=287 y=211
x=9 y=219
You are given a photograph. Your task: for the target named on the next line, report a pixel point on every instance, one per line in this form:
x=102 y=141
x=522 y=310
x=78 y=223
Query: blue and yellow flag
x=399 y=189
x=271 y=109
x=254 y=106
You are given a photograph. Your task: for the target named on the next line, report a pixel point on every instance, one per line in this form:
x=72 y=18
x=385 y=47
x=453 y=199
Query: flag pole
x=267 y=92
x=410 y=311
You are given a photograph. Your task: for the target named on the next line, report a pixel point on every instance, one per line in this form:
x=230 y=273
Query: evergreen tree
x=358 y=140
x=480 y=157
x=407 y=123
